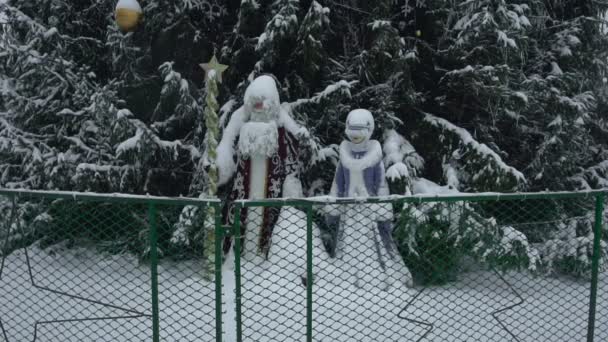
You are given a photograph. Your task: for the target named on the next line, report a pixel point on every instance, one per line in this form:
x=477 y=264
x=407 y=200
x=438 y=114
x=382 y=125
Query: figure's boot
x=304 y=280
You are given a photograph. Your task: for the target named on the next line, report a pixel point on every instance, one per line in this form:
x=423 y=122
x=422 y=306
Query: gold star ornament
x=216 y=67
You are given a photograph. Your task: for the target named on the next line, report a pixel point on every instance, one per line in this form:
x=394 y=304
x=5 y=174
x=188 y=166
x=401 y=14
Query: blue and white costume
x=365 y=247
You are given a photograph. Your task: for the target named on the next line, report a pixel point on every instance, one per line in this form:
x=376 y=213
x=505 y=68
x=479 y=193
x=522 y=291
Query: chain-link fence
x=78 y=267
x=452 y=268
x=518 y=267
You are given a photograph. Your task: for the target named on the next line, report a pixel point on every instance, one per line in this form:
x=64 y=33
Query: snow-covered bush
x=14 y=230
x=435 y=238
x=430 y=250
x=570 y=252
x=558 y=233
x=511 y=250
x=402 y=162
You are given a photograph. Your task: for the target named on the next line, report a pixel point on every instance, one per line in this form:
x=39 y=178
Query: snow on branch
x=595 y=177
x=83 y=167
x=343 y=87
x=400 y=158
x=477 y=164
x=143 y=137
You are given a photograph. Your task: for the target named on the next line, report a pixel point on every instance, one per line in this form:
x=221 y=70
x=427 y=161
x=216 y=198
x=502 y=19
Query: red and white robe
x=278 y=166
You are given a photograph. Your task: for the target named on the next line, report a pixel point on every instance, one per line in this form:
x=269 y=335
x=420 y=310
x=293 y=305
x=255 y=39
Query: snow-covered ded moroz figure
x=288 y=253
x=365 y=248
x=260 y=136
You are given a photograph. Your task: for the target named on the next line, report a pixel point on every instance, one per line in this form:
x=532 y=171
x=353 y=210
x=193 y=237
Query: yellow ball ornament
x=128 y=14
x=418 y=33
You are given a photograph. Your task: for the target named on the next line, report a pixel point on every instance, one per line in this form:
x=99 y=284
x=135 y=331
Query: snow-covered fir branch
x=476 y=162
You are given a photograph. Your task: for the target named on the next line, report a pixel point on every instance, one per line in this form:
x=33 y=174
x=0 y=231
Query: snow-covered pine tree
x=519 y=84
x=519 y=99
x=78 y=108
x=402 y=162
x=275 y=44
x=51 y=107
x=310 y=53
x=565 y=97
x=484 y=46
x=526 y=133
x=83 y=106
x=379 y=59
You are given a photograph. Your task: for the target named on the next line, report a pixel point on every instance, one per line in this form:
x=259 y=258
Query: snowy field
x=111 y=302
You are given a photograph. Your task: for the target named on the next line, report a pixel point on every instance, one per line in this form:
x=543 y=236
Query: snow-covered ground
x=275 y=309
x=101 y=288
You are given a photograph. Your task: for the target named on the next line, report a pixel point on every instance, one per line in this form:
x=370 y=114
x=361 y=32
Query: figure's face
x=262 y=102
x=260 y=109
x=359 y=126
x=357 y=136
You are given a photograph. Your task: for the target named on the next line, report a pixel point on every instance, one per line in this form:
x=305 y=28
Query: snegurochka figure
x=365 y=249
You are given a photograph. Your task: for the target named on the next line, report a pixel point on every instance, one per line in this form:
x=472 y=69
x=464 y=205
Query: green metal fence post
x=218 y=272
x=309 y=273
x=154 y=271
x=237 y=270
x=597 y=238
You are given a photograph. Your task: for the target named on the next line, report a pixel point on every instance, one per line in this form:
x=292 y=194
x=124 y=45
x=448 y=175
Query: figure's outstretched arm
x=385 y=213
x=225 y=149
x=385 y=210
x=332 y=212
x=383 y=189
x=338 y=185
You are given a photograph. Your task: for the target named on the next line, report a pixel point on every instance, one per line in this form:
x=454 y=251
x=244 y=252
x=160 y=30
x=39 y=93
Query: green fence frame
x=598 y=195
x=222 y=231
x=152 y=202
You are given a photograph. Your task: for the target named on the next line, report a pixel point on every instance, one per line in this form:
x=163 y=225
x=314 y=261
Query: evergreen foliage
x=436 y=238
x=523 y=80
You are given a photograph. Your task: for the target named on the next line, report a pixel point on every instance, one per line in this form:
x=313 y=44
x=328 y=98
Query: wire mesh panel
x=86 y=269
x=509 y=270
x=420 y=269
x=273 y=273
x=186 y=281
x=360 y=298
x=68 y=271
x=496 y=268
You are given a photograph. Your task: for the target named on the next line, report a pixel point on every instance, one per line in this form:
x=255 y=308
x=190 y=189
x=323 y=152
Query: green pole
x=218 y=272
x=237 y=270
x=154 y=271
x=595 y=262
x=309 y=274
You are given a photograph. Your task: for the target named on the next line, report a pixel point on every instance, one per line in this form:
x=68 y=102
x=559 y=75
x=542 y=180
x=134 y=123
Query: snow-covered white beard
x=259 y=138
